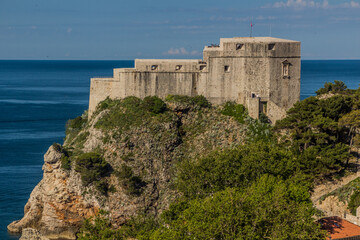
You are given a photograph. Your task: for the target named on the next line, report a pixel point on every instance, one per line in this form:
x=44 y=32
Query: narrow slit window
x=154 y=67
x=286 y=68
x=227 y=68
x=271 y=46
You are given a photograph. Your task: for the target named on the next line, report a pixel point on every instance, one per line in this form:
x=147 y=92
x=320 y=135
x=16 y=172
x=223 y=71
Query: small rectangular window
x=154 y=67
x=227 y=68
x=239 y=46
x=271 y=46
x=202 y=67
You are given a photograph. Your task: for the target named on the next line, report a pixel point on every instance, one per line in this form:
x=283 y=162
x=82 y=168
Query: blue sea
x=38 y=97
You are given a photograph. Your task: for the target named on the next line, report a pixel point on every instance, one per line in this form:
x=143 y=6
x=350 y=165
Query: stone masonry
x=262 y=73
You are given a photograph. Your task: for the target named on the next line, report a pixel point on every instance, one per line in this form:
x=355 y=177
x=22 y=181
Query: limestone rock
x=56 y=206
x=60 y=203
x=32 y=234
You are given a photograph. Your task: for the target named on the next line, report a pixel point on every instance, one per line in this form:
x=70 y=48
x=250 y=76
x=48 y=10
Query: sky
x=125 y=30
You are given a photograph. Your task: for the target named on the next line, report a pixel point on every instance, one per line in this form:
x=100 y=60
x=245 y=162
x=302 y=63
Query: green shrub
x=75 y=125
x=154 y=104
x=98 y=227
x=198 y=101
x=102 y=186
x=92 y=167
x=264 y=210
x=354 y=202
x=65 y=162
x=234 y=110
x=201 y=101
x=236 y=167
x=132 y=184
x=336 y=87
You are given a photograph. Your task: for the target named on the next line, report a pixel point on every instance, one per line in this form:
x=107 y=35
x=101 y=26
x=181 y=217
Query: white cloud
x=181 y=51
x=324 y=4
x=351 y=4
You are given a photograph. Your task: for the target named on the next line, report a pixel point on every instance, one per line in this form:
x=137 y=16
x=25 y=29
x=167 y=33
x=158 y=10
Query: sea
x=37 y=98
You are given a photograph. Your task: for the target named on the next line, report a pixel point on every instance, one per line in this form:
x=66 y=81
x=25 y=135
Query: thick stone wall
x=249 y=71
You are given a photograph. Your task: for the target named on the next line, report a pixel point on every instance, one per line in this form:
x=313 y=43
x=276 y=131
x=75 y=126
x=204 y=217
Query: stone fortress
x=262 y=73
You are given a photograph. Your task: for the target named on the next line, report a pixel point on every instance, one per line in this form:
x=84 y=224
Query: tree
x=352 y=122
x=269 y=209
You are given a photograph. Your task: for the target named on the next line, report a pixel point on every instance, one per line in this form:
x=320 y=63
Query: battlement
x=263 y=73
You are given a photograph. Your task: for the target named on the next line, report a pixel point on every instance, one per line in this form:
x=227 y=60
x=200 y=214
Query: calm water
x=38 y=97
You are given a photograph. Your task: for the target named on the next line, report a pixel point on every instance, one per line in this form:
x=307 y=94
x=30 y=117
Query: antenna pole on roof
x=251 y=26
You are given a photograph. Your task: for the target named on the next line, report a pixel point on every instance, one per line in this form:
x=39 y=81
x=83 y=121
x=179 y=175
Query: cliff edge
x=123 y=160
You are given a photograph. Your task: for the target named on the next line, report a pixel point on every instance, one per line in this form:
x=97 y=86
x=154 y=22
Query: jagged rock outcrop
x=32 y=234
x=56 y=206
x=143 y=150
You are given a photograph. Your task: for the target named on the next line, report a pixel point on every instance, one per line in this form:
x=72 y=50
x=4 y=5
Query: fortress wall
x=161 y=84
x=275 y=112
x=100 y=89
x=167 y=65
x=251 y=74
x=224 y=84
x=285 y=91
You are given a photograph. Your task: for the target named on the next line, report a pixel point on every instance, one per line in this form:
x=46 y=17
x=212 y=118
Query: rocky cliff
x=123 y=160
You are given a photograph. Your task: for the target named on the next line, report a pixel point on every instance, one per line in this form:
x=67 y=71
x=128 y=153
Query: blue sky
x=117 y=29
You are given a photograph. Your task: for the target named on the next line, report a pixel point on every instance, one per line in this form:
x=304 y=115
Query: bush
x=98 y=227
x=131 y=183
x=336 y=87
x=201 y=101
x=264 y=210
x=75 y=125
x=237 y=111
x=92 y=167
x=354 y=202
x=198 y=101
x=233 y=168
x=65 y=162
x=154 y=104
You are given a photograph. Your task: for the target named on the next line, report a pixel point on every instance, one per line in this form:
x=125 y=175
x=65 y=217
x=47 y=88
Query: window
x=239 y=46
x=154 y=67
x=202 y=67
x=227 y=68
x=178 y=67
x=271 y=46
x=286 y=68
x=253 y=95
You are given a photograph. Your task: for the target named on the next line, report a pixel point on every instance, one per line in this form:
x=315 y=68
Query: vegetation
x=98 y=228
x=259 y=190
x=237 y=111
x=131 y=183
x=197 y=101
x=74 y=126
x=336 y=87
x=93 y=168
x=354 y=202
x=319 y=132
x=131 y=112
x=344 y=193
x=268 y=209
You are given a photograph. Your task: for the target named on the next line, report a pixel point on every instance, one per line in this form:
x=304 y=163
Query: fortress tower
x=262 y=73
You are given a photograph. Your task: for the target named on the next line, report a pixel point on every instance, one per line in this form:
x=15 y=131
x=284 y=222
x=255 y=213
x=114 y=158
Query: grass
x=344 y=192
